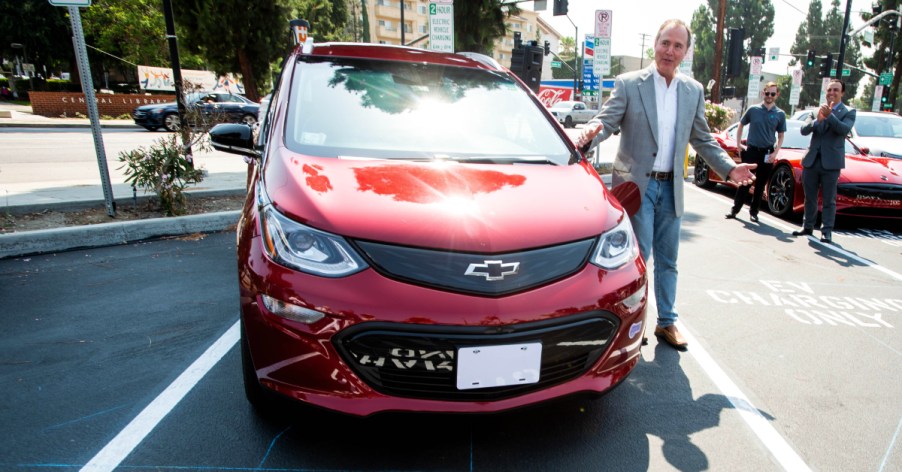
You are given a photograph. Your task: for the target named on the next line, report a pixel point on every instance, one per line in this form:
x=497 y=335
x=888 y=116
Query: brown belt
x=655 y=175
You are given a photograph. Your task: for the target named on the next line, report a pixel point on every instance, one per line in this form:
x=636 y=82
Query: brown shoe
x=672 y=336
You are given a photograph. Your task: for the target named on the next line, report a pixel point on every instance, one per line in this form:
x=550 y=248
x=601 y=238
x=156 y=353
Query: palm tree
x=568 y=47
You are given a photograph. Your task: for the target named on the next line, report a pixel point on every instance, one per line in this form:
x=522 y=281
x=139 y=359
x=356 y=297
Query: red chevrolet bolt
x=421 y=235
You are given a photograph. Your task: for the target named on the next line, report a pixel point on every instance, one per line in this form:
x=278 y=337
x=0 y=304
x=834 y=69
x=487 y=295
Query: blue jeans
x=657 y=228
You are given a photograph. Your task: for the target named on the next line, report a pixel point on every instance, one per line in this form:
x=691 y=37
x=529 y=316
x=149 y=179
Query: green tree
x=45 y=32
x=125 y=33
x=756 y=18
x=822 y=34
x=478 y=23
x=568 y=47
x=882 y=61
x=704 y=40
x=236 y=38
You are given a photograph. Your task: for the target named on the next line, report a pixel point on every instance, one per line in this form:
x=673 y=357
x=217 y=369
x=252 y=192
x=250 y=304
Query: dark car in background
x=869 y=186
x=421 y=235
x=207 y=107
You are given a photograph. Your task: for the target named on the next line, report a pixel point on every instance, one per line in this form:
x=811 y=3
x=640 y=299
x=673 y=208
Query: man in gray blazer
x=658 y=112
x=826 y=156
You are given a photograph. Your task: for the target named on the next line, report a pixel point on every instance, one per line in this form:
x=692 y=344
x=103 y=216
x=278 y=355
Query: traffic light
x=826 y=65
x=547 y=48
x=517 y=40
x=762 y=53
x=560 y=7
x=885 y=102
x=734 y=56
x=891 y=22
x=810 y=61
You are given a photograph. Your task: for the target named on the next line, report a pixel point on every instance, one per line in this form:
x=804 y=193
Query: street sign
x=796 y=89
x=886 y=78
x=878 y=93
x=70 y=3
x=603 y=23
x=441 y=26
x=773 y=54
x=555 y=64
x=845 y=72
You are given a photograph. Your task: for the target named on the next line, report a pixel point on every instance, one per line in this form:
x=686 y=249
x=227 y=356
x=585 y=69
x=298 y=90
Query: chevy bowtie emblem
x=493 y=270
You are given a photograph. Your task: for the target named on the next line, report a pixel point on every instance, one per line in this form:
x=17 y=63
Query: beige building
x=385 y=28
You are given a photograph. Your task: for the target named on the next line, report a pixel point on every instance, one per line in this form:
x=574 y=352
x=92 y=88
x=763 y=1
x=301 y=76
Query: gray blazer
x=829 y=138
x=632 y=110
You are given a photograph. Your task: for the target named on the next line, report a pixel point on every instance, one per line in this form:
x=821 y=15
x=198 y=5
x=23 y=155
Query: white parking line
x=779 y=224
x=125 y=442
x=769 y=436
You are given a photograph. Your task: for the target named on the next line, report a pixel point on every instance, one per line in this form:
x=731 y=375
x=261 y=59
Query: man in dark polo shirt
x=766 y=123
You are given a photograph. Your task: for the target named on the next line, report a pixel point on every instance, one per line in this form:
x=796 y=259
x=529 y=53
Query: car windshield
x=363 y=108
x=881 y=126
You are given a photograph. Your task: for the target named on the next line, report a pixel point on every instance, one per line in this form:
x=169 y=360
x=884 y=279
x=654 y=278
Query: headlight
x=300 y=247
x=616 y=247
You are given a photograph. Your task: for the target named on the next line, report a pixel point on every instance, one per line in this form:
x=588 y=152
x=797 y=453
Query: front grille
x=140 y=114
x=873 y=191
x=420 y=361
x=480 y=274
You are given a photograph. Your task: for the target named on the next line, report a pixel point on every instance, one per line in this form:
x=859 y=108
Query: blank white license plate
x=496 y=366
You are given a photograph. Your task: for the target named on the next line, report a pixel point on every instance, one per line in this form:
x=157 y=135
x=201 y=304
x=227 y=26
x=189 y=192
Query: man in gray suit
x=658 y=112
x=826 y=156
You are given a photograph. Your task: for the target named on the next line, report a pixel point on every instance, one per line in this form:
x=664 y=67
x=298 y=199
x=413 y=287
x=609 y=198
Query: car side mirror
x=234 y=138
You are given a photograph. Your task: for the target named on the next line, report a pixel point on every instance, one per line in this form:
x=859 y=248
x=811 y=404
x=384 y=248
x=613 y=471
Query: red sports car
x=869 y=186
x=421 y=235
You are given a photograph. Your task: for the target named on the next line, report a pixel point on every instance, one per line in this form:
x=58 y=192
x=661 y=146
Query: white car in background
x=877 y=133
x=571 y=113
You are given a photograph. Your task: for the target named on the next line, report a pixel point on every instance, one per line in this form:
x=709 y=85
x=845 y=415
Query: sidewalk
x=38 y=196
x=20 y=116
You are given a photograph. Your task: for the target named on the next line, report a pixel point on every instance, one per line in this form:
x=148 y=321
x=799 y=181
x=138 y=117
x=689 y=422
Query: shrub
x=718 y=116
x=164 y=169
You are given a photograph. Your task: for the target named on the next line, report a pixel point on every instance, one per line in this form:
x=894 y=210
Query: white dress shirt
x=666 y=101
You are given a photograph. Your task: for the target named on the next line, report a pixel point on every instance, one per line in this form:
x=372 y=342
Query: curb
x=65 y=125
x=109 y=234
x=121 y=202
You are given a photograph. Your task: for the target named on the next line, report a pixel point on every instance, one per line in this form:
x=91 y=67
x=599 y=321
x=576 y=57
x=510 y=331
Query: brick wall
x=55 y=104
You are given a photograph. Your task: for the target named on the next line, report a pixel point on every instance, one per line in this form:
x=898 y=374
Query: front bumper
x=590 y=337
x=148 y=119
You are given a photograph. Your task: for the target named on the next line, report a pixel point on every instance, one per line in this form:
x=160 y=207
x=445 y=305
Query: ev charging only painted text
x=799 y=302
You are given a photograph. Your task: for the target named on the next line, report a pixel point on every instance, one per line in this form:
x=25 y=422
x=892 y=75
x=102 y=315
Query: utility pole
x=843 y=40
x=177 y=79
x=642 y=52
x=718 y=53
x=402 y=22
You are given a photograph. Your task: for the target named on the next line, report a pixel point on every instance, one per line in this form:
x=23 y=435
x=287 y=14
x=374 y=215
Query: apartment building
x=385 y=28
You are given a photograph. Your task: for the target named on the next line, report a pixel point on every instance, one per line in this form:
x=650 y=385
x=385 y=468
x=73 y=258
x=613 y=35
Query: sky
x=632 y=17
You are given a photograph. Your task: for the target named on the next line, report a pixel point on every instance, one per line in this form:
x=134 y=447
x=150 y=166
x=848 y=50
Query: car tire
x=256 y=395
x=781 y=191
x=249 y=120
x=702 y=175
x=568 y=122
x=171 y=122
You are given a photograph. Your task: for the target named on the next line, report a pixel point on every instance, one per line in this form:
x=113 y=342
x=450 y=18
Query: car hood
x=877 y=145
x=450 y=206
x=872 y=169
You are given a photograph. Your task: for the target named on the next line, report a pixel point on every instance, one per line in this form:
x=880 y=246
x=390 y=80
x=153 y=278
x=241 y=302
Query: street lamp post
x=576 y=60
